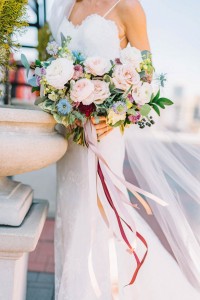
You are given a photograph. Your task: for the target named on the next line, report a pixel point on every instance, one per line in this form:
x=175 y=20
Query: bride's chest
x=94 y=36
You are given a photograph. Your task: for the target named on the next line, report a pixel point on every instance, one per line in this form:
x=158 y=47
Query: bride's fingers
x=100 y=136
x=102 y=125
x=101 y=130
x=98 y=120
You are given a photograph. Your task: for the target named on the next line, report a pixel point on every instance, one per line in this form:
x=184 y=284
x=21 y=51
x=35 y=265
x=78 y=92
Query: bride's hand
x=102 y=128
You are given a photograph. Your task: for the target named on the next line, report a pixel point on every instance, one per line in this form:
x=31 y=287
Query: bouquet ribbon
x=123 y=218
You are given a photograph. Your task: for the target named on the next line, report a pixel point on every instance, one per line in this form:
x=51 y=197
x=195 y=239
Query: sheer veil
x=60 y=10
x=168 y=165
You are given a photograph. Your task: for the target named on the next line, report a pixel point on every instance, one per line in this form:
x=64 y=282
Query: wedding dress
x=90 y=263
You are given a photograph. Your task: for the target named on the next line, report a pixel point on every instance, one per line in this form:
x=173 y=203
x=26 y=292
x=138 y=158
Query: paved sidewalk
x=40 y=286
x=42 y=259
x=40 y=280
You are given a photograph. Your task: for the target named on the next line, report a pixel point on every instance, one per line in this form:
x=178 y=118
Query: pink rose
x=97 y=65
x=82 y=91
x=124 y=76
x=101 y=91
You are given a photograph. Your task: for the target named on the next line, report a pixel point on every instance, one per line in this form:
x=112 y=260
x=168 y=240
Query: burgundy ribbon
x=120 y=223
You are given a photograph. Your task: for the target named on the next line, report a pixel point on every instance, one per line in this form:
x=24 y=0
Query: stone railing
x=28 y=142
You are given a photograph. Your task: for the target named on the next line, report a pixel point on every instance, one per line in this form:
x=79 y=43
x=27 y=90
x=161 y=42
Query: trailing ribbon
x=110 y=187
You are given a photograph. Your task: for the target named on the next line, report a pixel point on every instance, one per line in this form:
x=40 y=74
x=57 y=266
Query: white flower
x=113 y=118
x=142 y=93
x=97 y=65
x=131 y=56
x=101 y=91
x=59 y=72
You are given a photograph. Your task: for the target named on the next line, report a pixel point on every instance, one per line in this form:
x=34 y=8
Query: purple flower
x=43 y=71
x=119 y=107
x=134 y=119
x=78 y=72
x=130 y=98
x=52 y=48
x=118 y=61
x=38 y=79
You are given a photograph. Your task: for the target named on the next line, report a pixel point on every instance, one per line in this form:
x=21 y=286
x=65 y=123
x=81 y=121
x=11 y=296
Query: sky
x=174 y=32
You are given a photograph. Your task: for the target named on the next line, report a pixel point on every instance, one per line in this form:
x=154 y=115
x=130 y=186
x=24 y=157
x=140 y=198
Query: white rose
x=101 y=91
x=59 y=72
x=97 y=65
x=142 y=93
x=131 y=56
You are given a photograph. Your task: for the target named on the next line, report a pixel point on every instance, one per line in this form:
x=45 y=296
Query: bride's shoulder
x=131 y=11
x=131 y=7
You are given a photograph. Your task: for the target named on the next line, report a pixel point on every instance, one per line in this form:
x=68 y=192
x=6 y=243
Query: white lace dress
x=83 y=243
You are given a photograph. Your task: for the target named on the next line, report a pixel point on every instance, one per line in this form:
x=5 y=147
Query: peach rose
x=101 y=91
x=124 y=76
x=82 y=91
x=97 y=65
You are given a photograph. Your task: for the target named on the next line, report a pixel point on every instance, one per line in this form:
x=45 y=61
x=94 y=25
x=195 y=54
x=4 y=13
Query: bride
x=91 y=262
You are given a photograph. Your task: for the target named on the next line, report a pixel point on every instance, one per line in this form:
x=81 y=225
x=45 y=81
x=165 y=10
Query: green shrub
x=12 y=21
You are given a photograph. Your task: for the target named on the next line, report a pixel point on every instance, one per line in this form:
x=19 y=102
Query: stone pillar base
x=16 y=243
x=13 y=276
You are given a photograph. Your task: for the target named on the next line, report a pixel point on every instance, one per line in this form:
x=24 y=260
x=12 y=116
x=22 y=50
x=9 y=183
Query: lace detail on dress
x=94 y=36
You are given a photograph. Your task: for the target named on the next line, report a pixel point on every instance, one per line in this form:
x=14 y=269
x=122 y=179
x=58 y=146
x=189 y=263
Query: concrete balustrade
x=28 y=142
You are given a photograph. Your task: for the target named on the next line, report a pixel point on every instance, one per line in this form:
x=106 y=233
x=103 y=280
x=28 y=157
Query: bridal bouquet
x=73 y=88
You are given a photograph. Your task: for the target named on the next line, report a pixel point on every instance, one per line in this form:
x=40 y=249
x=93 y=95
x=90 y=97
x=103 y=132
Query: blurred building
x=184 y=115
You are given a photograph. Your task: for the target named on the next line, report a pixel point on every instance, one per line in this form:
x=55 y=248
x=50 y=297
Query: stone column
x=28 y=142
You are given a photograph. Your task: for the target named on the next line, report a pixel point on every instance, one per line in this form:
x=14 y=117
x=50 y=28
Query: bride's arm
x=133 y=19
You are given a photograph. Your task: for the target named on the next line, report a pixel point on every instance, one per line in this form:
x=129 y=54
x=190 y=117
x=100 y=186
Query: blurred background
x=174 y=33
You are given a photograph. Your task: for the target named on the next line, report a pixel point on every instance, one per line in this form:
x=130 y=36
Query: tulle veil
x=168 y=165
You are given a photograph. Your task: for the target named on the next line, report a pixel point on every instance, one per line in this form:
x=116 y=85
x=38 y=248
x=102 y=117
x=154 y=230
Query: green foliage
x=44 y=36
x=12 y=21
x=157 y=102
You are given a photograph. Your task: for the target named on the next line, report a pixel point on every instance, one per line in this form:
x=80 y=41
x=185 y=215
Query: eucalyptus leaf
x=63 y=39
x=78 y=115
x=132 y=111
x=145 y=110
x=38 y=101
x=119 y=123
x=57 y=118
x=142 y=74
x=71 y=119
x=145 y=53
x=25 y=63
x=33 y=82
